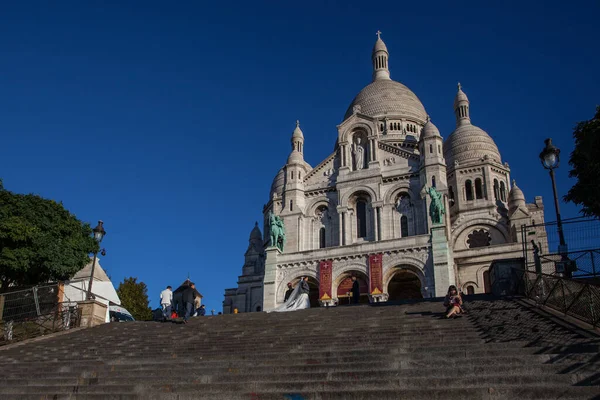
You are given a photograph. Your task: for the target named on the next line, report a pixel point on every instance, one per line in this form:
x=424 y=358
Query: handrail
x=572 y=297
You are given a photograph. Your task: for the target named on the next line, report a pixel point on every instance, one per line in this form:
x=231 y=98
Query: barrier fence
x=35 y=311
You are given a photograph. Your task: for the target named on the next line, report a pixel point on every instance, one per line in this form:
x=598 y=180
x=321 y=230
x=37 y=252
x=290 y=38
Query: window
x=486 y=282
x=361 y=219
x=496 y=190
x=322 y=243
x=479 y=238
x=478 y=189
x=470 y=290
x=403 y=226
x=451 y=195
x=292 y=175
x=431 y=148
x=502 y=191
x=439 y=149
x=299 y=175
x=469 y=190
x=433 y=181
x=291 y=205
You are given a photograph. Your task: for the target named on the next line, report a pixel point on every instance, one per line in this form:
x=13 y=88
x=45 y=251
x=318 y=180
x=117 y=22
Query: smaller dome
x=379 y=46
x=297 y=132
x=255 y=234
x=470 y=143
x=516 y=198
x=430 y=130
x=460 y=96
x=295 y=158
x=278 y=182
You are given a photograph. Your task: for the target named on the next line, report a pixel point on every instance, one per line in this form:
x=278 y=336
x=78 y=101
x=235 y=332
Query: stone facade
x=369 y=197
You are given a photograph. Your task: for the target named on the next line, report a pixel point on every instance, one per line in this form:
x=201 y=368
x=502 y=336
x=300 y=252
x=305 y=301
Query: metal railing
x=36 y=311
x=571 y=297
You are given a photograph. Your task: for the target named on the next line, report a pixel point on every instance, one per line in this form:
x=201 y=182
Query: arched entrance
x=313 y=295
x=404 y=285
x=345 y=287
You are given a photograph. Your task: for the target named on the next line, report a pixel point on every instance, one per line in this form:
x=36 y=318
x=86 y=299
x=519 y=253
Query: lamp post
x=99 y=233
x=550 y=158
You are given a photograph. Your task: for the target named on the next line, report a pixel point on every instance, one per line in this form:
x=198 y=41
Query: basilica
x=396 y=205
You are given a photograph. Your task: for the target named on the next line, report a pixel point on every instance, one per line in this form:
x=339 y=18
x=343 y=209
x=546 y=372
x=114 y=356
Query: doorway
x=404 y=285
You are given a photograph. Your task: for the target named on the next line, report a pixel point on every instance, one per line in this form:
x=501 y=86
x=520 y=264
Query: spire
x=298 y=139
x=380 y=60
x=461 y=107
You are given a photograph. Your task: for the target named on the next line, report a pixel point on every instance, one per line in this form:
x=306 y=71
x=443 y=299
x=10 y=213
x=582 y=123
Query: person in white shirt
x=166 y=302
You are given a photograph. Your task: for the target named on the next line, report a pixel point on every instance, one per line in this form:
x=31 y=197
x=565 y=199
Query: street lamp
x=550 y=158
x=99 y=233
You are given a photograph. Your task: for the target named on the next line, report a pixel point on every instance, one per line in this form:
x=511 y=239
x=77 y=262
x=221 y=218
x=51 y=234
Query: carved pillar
x=375 y=223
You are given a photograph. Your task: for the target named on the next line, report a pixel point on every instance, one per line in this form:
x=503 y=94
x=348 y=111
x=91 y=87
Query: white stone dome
x=430 y=130
x=295 y=157
x=278 y=183
x=470 y=143
x=385 y=97
x=516 y=198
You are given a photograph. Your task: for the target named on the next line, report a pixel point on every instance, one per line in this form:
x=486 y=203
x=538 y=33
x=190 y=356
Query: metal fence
x=574 y=298
x=580 y=258
x=35 y=312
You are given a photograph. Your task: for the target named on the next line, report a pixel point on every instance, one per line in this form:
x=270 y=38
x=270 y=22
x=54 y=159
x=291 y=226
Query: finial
x=378 y=35
x=459 y=86
x=514 y=182
x=255 y=224
x=297 y=123
x=428 y=118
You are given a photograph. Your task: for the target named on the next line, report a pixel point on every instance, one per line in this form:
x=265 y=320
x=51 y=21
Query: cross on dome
x=378 y=33
x=459 y=86
x=297 y=123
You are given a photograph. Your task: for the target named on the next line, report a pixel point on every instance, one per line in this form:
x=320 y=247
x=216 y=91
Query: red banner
x=375 y=274
x=325 y=280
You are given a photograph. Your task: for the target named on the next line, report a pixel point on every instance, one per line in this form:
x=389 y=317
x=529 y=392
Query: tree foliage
x=40 y=240
x=586 y=166
x=134 y=297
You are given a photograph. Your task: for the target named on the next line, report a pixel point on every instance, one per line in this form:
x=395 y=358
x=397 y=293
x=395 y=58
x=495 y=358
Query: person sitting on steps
x=453 y=303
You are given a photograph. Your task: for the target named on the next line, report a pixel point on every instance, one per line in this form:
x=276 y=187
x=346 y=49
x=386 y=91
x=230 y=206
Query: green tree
x=134 y=297
x=40 y=240
x=586 y=167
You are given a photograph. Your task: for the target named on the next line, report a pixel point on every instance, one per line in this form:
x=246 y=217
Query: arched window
x=496 y=190
x=439 y=149
x=486 y=282
x=291 y=205
x=322 y=243
x=502 y=191
x=299 y=174
x=469 y=190
x=292 y=175
x=451 y=195
x=478 y=189
x=470 y=290
x=361 y=219
x=431 y=148
x=433 y=181
x=403 y=226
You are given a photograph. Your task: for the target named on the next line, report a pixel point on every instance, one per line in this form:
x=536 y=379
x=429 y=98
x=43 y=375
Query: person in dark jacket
x=288 y=292
x=187 y=297
x=355 y=290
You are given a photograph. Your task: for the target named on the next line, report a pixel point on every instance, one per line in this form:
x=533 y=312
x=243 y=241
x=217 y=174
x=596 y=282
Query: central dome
x=387 y=97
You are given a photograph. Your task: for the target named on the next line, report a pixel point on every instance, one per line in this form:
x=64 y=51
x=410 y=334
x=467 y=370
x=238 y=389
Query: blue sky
x=170 y=120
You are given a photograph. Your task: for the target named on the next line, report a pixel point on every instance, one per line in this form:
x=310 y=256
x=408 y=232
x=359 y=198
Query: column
x=376 y=222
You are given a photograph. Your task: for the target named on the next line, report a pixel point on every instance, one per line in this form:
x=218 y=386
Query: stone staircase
x=502 y=349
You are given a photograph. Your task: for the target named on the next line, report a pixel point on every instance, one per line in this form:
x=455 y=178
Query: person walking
x=355 y=291
x=166 y=302
x=188 y=296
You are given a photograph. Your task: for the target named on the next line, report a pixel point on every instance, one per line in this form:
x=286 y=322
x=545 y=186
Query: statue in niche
x=402 y=204
x=436 y=208
x=359 y=154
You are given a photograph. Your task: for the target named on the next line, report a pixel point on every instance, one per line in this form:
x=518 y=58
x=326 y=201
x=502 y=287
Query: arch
x=468 y=190
x=293 y=277
x=404 y=284
x=487 y=223
x=502 y=191
x=312 y=206
x=467 y=284
x=346 y=135
x=360 y=271
x=392 y=193
x=478 y=189
x=356 y=190
x=401 y=263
